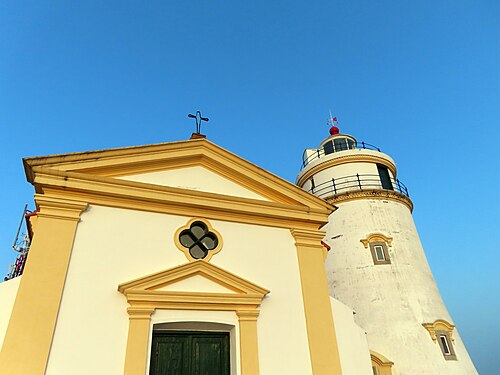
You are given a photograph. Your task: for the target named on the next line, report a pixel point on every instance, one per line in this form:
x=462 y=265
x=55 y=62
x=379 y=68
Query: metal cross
x=199 y=119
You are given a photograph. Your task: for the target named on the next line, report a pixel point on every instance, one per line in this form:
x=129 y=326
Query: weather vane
x=332 y=121
x=199 y=119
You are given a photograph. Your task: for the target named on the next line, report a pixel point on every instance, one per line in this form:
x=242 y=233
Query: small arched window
x=379 y=247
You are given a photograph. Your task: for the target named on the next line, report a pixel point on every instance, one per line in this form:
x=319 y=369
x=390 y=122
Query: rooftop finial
x=333 y=122
x=199 y=119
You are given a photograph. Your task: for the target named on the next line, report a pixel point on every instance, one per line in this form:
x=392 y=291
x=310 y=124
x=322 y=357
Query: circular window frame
x=186 y=250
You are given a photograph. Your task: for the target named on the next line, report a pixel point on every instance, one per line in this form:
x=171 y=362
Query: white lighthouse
x=376 y=264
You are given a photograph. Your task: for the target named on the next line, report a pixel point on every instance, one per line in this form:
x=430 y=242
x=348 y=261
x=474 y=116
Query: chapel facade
x=183 y=258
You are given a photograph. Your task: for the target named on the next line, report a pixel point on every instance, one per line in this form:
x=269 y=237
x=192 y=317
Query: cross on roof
x=199 y=119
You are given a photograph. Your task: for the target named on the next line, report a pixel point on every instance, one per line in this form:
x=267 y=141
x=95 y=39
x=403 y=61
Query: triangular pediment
x=195 y=178
x=199 y=272
x=197 y=277
x=145 y=164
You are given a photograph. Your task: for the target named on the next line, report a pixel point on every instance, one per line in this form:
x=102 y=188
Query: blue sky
x=419 y=79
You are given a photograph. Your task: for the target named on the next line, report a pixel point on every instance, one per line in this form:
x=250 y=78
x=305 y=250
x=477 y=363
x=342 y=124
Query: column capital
x=140 y=312
x=308 y=237
x=247 y=314
x=59 y=208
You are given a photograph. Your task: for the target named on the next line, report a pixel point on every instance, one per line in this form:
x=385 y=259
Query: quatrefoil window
x=198 y=240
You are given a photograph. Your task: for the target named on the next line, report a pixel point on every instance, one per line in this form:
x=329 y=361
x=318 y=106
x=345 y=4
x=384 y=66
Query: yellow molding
x=144 y=296
x=59 y=208
x=323 y=347
x=439 y=325
x=382 y=364
x=185 y=250
x=34 y=315
x=339 y=160
x=307 y=237
x=140 y=312
x=167 y=277
x=147 y=197
x=376 y=237
x=371 y=194
x=248 y=314
x=138 y=340
x=141 y=159
x=247 y=320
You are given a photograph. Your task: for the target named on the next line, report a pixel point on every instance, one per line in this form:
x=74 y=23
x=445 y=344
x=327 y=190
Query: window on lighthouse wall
x=446 y=345
x=380 y=253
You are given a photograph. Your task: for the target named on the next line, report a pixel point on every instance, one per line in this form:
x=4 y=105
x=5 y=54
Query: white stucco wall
x=113 y=246
x=391 y=300
x=195 y=178
x=341 y=154
x=352 y=341
x=345 y=178
x=8 y=292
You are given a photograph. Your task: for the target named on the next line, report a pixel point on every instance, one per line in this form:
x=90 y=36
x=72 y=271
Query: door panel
x=190 y=353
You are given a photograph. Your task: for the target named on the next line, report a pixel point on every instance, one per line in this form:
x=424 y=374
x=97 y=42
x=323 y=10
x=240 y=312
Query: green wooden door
x=190 y=353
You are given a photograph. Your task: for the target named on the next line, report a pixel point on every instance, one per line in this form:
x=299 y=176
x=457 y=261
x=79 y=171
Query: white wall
x=352 y=341
x=113 y=246
x=341 y=154
x=8 y=292
x=391 y=300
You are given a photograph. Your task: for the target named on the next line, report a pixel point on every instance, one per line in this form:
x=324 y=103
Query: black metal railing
x=357 y=182
x=320 y=152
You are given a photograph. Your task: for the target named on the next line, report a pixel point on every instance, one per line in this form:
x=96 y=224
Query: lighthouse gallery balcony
x=343 y=149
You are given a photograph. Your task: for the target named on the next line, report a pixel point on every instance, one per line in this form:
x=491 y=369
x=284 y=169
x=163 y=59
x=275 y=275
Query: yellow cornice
x=376 y=237
x=310 y=238
x=59 y=208
x=134 y=160
x=170 y=276
x=339 y=160
x=380 y=360
x=437 y=325
x=371 y=194
x=163 y=199
x=146 y=292
x=382 y=364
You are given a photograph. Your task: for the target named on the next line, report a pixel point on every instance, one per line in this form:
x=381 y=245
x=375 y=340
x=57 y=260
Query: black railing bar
x=376 y=177
x=319 y=151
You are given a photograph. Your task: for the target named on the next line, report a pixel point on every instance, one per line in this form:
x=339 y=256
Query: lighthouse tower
x=376 y=264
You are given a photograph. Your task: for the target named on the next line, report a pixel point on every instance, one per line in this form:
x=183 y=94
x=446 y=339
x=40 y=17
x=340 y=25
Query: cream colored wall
x=352 y=341
x=391 y=300
x=113 y=246
x=194 y=178
x=8 y=291
x=196 y=283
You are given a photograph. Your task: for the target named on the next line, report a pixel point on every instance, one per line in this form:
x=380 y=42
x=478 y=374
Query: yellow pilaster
x=248 y=341
x=323 y=346
x=27 y=342
x=137 y=343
